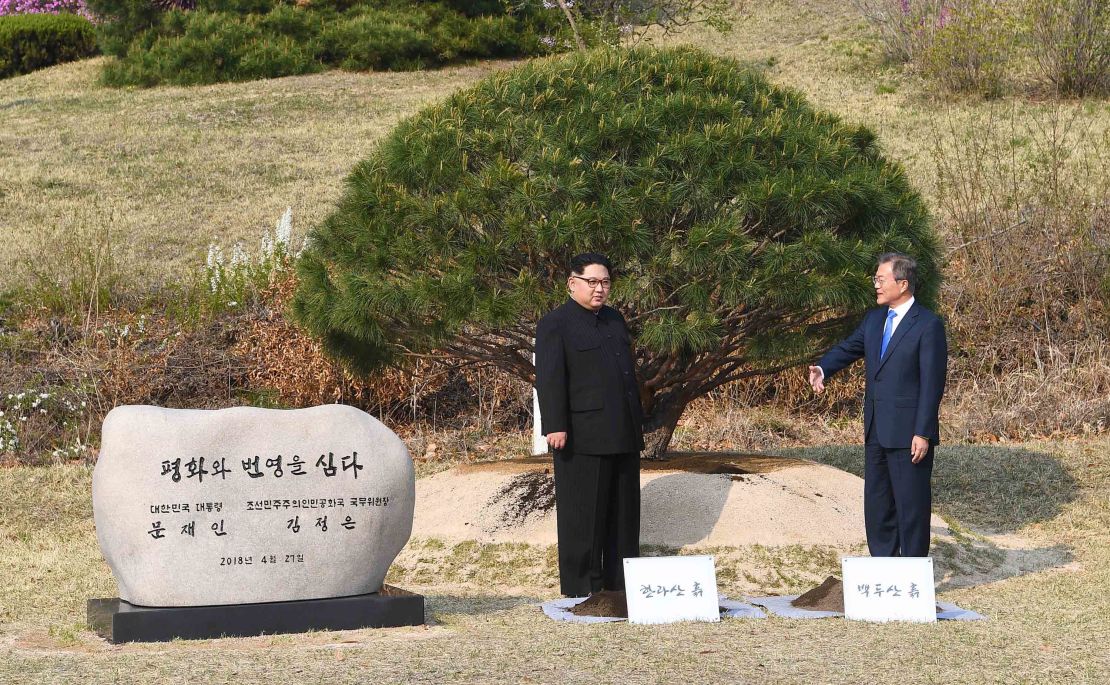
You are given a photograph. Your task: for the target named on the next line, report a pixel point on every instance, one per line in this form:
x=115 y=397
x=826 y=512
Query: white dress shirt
x=899 y=314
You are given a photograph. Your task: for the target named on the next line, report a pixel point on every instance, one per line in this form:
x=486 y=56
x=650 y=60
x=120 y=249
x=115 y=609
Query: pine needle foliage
x=192 y=42
x=743 y=223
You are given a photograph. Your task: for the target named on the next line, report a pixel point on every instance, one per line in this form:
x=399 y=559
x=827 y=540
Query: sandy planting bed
x=688 y=500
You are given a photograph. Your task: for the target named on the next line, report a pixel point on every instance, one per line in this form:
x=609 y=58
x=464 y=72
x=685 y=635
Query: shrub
x=961 y=45
x=120 y=21
x=375 y=40
x=743 y=222
x=500 y=37
x=236 y=40
x=905 y=27
x=34 y=41
x=971 y=47
x=210 y=48
x=1071 y=44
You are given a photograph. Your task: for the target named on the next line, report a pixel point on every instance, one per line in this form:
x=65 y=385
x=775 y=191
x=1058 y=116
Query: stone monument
x=247 y=521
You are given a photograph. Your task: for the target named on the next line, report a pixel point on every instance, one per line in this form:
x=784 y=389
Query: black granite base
x=119 y=621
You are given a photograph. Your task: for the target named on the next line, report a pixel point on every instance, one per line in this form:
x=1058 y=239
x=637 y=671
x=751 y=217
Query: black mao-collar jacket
x=586 y=380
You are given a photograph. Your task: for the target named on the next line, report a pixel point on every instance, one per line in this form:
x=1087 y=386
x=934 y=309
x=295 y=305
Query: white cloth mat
x=780 y=606
x=559 y=610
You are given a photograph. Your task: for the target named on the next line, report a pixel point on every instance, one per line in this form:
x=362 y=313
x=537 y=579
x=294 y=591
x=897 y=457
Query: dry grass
x=1047 y=626
x=824 y=49
x=166 y=171
x=251 y=355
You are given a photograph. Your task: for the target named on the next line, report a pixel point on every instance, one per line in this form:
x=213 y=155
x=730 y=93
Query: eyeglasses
x=605 y=283
x=879 y=280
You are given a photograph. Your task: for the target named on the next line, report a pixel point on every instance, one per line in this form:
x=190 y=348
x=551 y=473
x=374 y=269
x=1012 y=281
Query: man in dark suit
x=590 y=412
x=906 y=356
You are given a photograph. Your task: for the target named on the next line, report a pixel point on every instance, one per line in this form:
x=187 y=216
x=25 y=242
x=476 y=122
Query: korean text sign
x=889 y=589
x=670 y=589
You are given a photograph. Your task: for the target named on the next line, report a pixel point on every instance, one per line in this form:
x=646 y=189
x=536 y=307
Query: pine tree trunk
x=659 y=429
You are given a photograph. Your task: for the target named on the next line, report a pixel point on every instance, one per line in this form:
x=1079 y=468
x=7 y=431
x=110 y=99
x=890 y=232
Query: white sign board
x=539 y=441
x=670 y=589
x=889 y=589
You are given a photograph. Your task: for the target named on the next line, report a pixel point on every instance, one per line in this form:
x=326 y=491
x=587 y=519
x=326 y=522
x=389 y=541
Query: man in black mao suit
x=590 y=412
x=906 y=356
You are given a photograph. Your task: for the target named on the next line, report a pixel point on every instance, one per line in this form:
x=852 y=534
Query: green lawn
x=166 y=171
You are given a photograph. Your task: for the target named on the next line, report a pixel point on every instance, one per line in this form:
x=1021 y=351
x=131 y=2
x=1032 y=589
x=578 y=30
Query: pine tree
x=743 y=224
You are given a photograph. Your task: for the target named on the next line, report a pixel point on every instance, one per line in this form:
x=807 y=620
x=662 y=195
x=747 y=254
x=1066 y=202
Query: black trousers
x=597 y=509
x=897 y=500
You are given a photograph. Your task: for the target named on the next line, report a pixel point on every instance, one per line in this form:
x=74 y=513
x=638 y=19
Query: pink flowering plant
x=615 y=22
x=906 y=27
x=961 y=45
x=972 y=50
x=10 y=7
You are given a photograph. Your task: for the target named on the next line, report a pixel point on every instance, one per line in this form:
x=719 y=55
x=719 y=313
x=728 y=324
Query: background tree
x=742 y=222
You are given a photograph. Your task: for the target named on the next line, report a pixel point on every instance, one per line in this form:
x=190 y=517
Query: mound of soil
x=742 y=501
x=828 y=596
x=611 y=603
x=529 y=493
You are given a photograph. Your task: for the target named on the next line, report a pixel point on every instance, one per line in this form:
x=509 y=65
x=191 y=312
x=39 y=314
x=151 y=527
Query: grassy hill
x=164 y=172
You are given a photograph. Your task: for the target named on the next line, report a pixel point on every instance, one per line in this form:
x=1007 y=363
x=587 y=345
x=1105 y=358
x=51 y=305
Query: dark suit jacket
x=904 y=388
x=586 y=380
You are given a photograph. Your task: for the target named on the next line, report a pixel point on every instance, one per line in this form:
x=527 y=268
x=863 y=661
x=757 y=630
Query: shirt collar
x=901 y=309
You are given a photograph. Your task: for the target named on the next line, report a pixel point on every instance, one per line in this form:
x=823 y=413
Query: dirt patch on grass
x=526 y=494
x=828 y=596
x=610 y=603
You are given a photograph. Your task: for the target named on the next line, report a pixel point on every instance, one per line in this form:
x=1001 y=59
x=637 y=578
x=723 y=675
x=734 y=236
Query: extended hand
x=817 y=378
x=558 y=441
x=918 y=448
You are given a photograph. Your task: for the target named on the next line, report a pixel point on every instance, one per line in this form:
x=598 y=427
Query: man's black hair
x=903 y=266
x=578 y=263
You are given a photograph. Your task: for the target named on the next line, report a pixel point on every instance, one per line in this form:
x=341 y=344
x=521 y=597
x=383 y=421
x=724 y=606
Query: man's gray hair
x=903 y=266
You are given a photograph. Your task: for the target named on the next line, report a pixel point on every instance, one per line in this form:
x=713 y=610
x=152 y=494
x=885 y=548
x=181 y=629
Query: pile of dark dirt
x=530 y=493
x=610 y=603
x=828 y=596
x=607 y=603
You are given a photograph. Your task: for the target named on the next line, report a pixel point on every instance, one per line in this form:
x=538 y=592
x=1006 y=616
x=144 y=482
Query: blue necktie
x=887 y=331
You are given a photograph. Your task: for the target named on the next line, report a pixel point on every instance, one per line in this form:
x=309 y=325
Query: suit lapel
x=877 y=335
x=903 y=327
